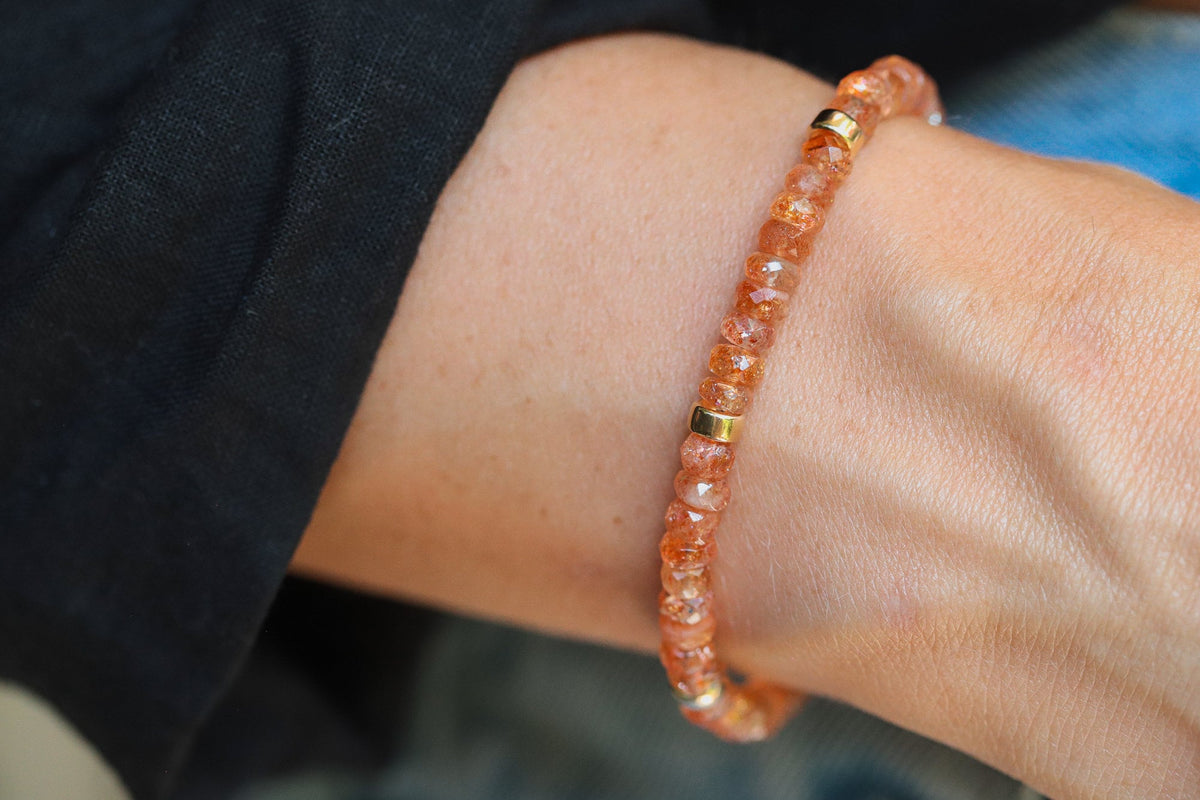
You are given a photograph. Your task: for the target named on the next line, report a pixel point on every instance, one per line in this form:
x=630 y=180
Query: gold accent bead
x=705 y=700
x=843 y=125
x=715 y=425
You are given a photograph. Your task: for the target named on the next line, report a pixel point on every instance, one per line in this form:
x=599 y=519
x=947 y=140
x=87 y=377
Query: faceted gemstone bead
x=799 y=210
x=686 y=583
x=870 y=87
x=706 y=458
x=761 y=302
x=764 y=269
x=691 y=672
x=689 y=611
x=747 y=713
x=907 y=82
x=748 y=332
x=859 y=110
x=724 y=397
x=686 y=635
x=735 y=365
x=690 y=540
x=702 y=493
x=828 y=152
x=783 y=239
x=810 y=182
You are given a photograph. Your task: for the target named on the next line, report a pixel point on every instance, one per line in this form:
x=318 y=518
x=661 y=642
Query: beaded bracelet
x=707 y=696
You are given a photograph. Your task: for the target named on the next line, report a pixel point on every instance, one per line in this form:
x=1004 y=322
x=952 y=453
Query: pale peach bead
x=798 y=209
x=785 y=240
x=706 y=458
x=691 y=672
x=761 y=302
x=702 y=493
x=869 y=86
x=735 y=365
x=811 y=182
x=718 y=395
x=685 y=636
x=907 y=80
x=745 y=331
x=686 y=583
x=764 y=269
x=689 y=610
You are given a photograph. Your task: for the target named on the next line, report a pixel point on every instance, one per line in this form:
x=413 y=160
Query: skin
x=967 y=501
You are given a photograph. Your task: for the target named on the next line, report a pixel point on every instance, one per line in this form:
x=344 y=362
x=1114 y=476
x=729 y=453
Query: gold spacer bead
x=715 y=425
x=843 y=125
x=705 y=700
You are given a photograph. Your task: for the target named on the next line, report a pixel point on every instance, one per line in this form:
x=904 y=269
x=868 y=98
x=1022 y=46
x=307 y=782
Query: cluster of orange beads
x=892 y=86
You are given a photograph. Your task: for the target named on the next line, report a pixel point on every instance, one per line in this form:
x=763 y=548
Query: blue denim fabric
x=507 y=714
x=1123 y=91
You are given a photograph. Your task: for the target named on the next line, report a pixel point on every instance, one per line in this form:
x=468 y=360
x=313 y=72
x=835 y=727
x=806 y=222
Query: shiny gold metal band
x=843 y=125
x=715 y=425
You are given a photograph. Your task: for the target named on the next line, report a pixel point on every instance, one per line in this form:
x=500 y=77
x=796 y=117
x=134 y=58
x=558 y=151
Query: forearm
x=962 y=426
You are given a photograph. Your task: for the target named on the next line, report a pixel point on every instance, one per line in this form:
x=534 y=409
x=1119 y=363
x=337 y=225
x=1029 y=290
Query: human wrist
x=946 y=460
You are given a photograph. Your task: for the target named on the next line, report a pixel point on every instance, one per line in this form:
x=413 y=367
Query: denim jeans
x=507 y=714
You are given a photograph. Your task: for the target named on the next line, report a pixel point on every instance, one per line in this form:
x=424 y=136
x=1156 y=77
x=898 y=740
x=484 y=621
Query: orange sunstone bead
x=691 y=672
x=735 y=365
x=812 y=182
x=748 y=332
x=799 y=210
x=907 y=80
x=689 y=611
x=764 y=269
x=786 y=240
x=761 y=302
x=690 y=539
x=686 y=583
x=870 y=87
x=705 y=494
x=686 y=635
x=747 y=713
x=828 y=152
x=859 y=110
x=720 y=396
x=705 y=458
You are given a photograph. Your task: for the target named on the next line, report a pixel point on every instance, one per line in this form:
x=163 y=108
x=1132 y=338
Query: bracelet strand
x=755 y=709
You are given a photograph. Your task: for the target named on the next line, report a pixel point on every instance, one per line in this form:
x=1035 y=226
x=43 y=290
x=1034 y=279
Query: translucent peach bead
x=748 y=713
x=811 y=182
x=702 y=493
x=724 y=397
x=686 y=583
x=686 y=635
x=691 y=672
x=859 y=110
x=761 y=302
x=690 y=539
x=870 y=87
x=735 y=365
x=828 y=152
x=745 y=331
x=764 y=269
x=785 y=240
x=906 y=79
x=687 y=610
x=706 y=458
x=799 y=210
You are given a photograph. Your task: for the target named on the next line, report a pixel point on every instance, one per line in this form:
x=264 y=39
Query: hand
x=967 y=500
